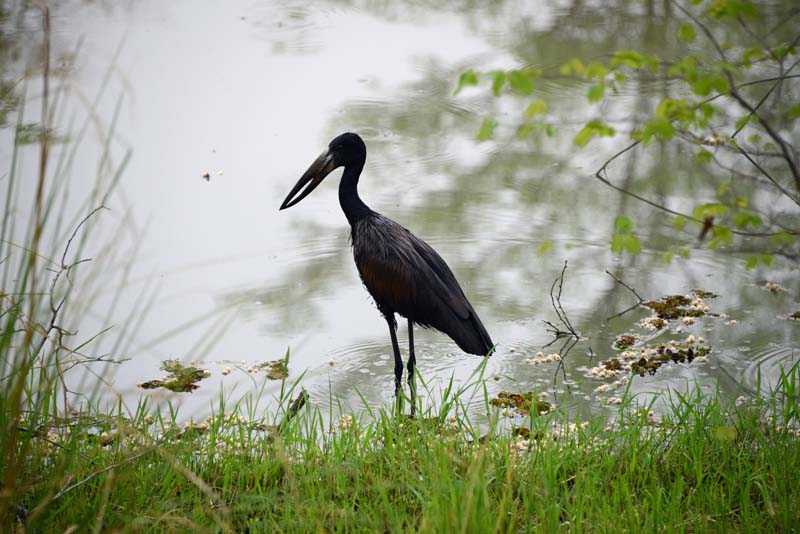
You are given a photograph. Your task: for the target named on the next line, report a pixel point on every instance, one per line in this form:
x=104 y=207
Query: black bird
x=402 y=273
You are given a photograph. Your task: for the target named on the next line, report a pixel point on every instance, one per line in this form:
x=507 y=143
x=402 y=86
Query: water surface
x=250 y=93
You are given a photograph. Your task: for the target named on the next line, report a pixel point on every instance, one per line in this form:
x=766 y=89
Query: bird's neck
x=352 y=205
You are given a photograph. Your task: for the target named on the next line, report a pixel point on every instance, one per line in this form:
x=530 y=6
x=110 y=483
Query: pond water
x=250 y=92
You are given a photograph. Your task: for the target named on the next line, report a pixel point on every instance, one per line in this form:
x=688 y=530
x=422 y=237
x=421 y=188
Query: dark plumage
x=405 y=275
x=402 y=273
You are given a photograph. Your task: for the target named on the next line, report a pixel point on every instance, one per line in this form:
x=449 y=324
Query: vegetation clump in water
x=661 y=354
x=181 y=378
x=774 y=288
x=648 y=359
x=276 y=369
x=521 y=403
x=674 y=307
x=704 y=294
x=625 y=341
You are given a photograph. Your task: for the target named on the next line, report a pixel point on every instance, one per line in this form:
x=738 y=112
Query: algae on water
x=180 y=378
x=521 y=403
x=276 y=369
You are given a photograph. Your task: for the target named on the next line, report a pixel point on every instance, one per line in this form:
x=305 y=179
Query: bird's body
x=405 y=275
x=402 y=273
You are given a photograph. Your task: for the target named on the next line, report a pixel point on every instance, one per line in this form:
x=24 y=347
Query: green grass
x=704 y=464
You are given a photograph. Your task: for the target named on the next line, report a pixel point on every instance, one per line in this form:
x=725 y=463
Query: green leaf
x=750 y=54
x=596 y=70
x=573 y=66
x=486 y=131
x=592 y=129
x=732 y=9
x=722 y=234
x=706 y=111
x=686 y=32
x=520 y=81
x=658 y=127
x=626 y=243
x=498 y=81
x=713 y=209
x=745 y=219
x=703 y=156
x=793 y=112
x=525 y=130
x=634 y=60
x=623 y=225
x=596 y=91
x=668 y=256
x=702 y=86
x=467 y=78
x=536 y=107
x=766 y=259
x=624 y=240
x=685 y=68
x=782 y=238
x=633 y=246
x=618 y=243
x=741 y=123
x=544 y=248
x=583 y=137
x=721 y=84
x=751 y=262
x=679 y=222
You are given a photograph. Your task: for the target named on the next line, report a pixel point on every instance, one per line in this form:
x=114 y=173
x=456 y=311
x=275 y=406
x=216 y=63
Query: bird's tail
x=473 y=337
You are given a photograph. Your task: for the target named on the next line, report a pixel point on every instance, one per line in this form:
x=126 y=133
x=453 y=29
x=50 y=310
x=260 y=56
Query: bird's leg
x=398 y=361
x=411 y=362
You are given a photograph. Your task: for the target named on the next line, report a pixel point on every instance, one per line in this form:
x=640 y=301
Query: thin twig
x=555 y=300
x=572 y=335
x=639 y=299
x=782 y=144
x=769 y=177
x=602 y=175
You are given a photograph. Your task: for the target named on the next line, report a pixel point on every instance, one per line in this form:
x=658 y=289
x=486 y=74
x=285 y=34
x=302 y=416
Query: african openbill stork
x=402 y=273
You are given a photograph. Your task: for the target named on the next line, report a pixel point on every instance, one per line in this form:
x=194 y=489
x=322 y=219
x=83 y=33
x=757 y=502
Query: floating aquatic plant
x=625 y=341
x=522 y=403
x=181 y=378
x=276 y=369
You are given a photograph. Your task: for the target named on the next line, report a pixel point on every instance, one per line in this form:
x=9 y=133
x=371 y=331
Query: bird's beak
x=318 y=170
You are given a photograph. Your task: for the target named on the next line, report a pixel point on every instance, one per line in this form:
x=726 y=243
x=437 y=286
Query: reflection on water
x=253 y=93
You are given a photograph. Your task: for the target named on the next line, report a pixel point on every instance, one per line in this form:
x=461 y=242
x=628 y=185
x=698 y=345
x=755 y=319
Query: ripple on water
x=294 y=29
x=366 y=368
x=766 y=365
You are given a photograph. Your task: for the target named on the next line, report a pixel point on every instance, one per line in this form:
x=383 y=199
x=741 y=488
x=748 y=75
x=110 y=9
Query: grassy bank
x=705 y=464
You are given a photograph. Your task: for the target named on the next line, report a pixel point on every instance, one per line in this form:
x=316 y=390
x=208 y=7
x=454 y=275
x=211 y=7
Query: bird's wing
x=400 y=270
x=440 y=279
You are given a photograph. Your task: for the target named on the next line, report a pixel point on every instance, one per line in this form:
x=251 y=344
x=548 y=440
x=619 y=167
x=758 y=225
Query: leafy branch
x=693 y=113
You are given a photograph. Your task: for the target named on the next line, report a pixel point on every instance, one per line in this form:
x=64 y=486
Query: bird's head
x=345 y=150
